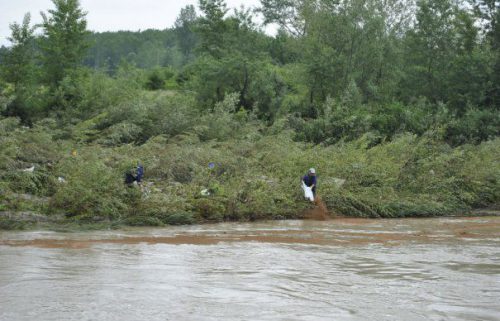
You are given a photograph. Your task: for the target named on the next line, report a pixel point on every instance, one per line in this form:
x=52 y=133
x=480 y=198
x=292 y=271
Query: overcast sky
x=106 y=15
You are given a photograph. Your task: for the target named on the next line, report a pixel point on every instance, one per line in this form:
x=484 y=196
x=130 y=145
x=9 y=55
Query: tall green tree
x=185 y=31
x=231 y=57
x=288 y=14
x=212 y=27
x=470 y=70
x=349 y=43
x=18 y=68
x=18 y=65
x=65 y=39
x=495 y=36
x=430 y=50
x=488 y=13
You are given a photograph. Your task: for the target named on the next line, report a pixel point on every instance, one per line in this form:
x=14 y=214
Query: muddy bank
x=11 y=220
x=341 y=231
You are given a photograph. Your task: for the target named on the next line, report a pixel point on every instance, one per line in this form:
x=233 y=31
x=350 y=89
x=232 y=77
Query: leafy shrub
x=9 y=124
x=164 y=114
x=38 y=182
x=410 y=209
x=474 y=127
x=162 y=205
x=142 y=221
x=211 y=209
x=396 y=118
x=221 y=123
x=337 y=122
x=155 y=81
x=121 y=133
x=93 y=191
x=180 y=219
x=158 y=78
x=10 y=224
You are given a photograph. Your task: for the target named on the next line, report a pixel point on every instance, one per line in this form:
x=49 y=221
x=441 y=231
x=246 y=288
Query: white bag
x=308 y=193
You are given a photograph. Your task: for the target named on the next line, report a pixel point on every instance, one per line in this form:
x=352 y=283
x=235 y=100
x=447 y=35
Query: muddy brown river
x=341 y=269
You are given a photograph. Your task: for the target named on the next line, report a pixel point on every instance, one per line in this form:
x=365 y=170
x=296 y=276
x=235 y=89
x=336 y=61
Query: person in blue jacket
x=130 y=178
x=139 y=173
x=310 y=180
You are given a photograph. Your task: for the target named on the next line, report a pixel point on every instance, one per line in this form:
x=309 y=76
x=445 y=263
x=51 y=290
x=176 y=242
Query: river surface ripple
x=341 y=269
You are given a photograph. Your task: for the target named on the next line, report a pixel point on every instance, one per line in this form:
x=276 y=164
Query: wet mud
x=324 y=231
x=319 y=212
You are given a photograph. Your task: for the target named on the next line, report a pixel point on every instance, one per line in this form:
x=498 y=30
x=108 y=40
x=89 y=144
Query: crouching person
x=130 y=178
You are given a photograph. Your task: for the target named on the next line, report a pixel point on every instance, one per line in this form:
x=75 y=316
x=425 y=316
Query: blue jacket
x=140 y=173
x=310 y=181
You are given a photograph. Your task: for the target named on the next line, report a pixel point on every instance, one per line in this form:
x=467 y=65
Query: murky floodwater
x=345 y=269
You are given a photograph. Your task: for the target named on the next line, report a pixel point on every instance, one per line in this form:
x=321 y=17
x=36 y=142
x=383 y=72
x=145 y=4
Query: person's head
x=311 y=172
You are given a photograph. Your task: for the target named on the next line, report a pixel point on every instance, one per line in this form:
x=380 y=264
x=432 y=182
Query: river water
x=341 y=269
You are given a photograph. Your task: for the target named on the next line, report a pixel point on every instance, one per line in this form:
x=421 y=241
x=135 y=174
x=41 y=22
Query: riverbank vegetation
x=395 y=104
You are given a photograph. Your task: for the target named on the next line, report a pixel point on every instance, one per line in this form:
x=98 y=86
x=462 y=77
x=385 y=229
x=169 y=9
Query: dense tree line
x=336 y=69
x=146 y=49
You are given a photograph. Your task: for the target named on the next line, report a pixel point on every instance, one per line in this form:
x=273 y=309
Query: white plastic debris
x=308 y=193
x=29 y=170
x=339 y=182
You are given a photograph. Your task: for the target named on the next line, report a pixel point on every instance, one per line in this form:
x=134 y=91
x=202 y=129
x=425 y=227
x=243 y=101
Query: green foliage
x=148 y=116
x=155 y=82
x=162 y=206
x=394 y=104
x=85 y=93
x=158 y=78
x=222 y=123
x=65 y=39
x=18 y=66
x=180 y=219
x=121 y=133
x=93 y=191
x=146 y=49
x=185 y=29
x=142 y=221
x=8 y=125
x=11 y=224
x=474 y=127
x=212 y=26
x=36 y=183
x=258 y=178
x=210 y=209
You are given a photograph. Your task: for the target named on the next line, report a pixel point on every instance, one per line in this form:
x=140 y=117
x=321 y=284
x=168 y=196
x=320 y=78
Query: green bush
x=121 y=133
x=220 y=124
x=93 y=191
x=180 y=219
x=211 y=209
x=38 y=182
x=158 y=78
x=9 y=124
x=10 y=224
x=474 y=127
x=155 y=81
x=142 y=221
x=151 y=115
